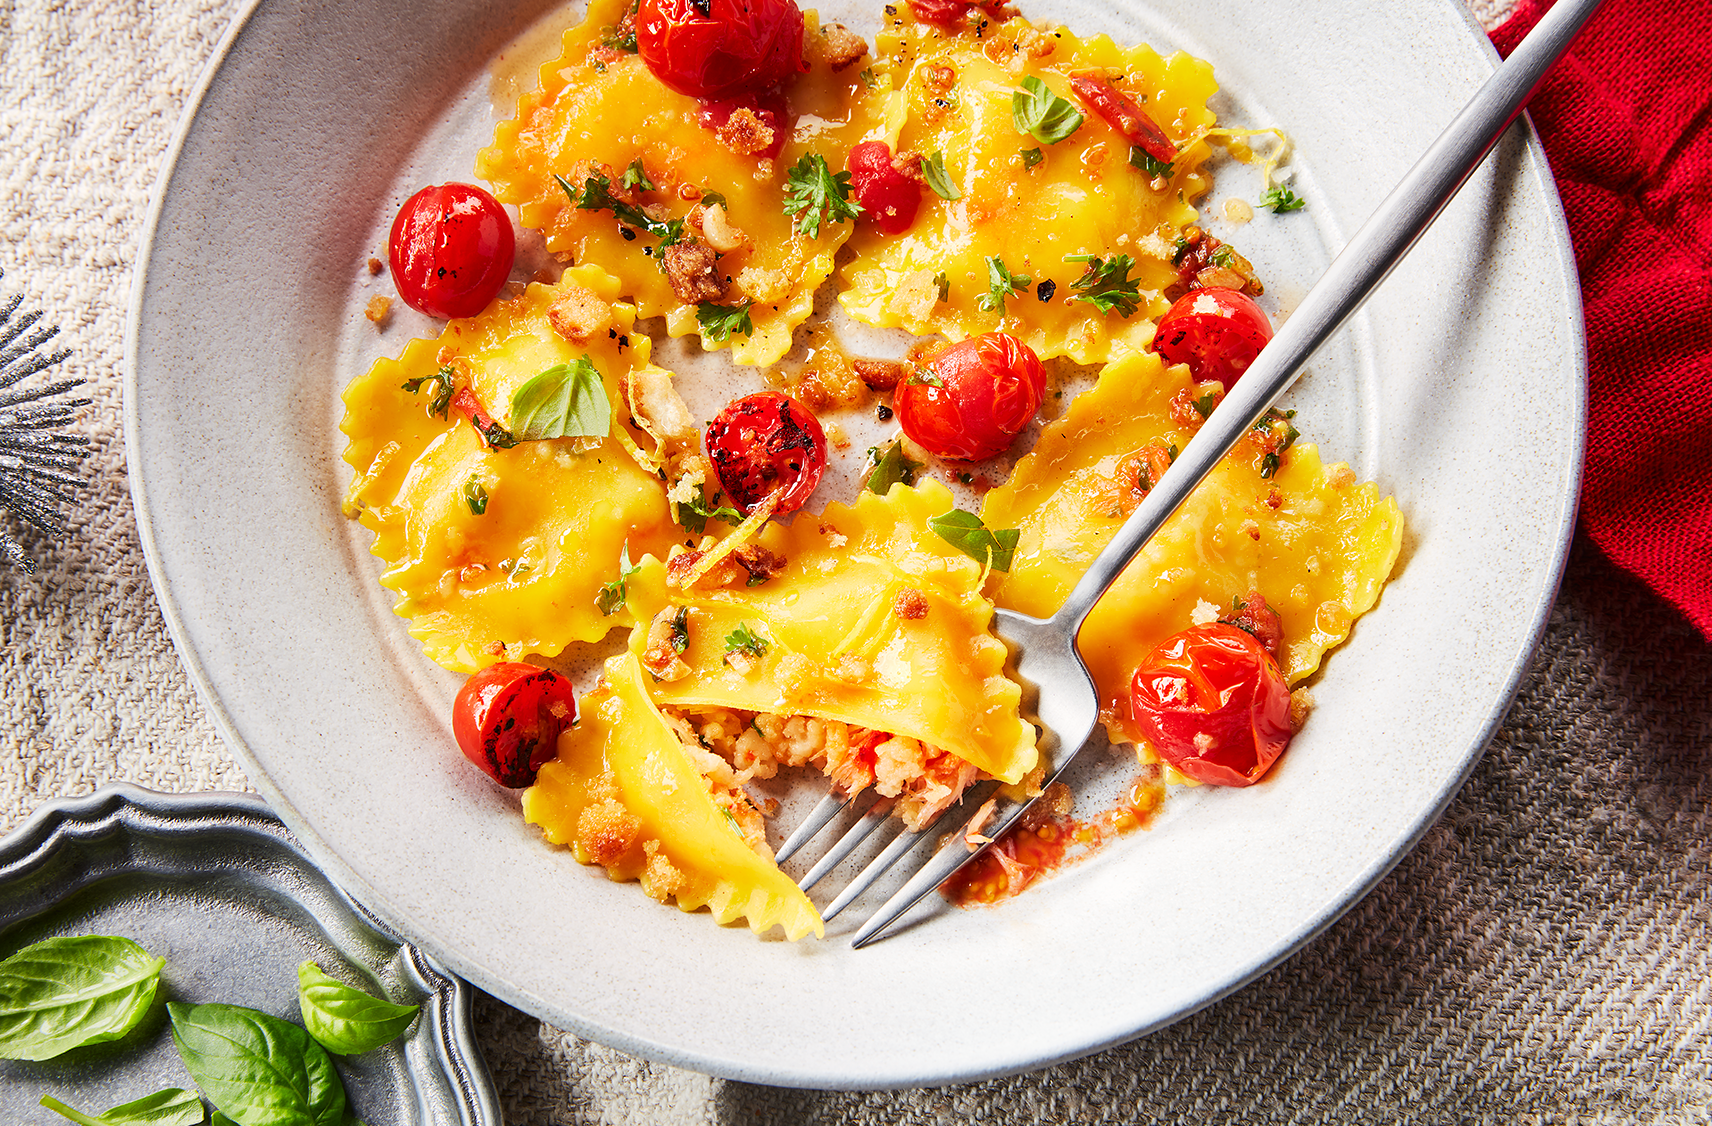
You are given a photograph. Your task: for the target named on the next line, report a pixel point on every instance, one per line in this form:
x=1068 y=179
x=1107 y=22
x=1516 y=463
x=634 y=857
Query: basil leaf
x=1043 y=115
x=347 y=1021
x=171 y=1107
x=565 y=401
x=892 y=467
x=63 y=993
x=933 y=171
x=256 y=1069
x=965 y=532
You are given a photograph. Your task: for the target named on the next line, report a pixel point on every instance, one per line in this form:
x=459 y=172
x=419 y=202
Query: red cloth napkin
x=1626 y=120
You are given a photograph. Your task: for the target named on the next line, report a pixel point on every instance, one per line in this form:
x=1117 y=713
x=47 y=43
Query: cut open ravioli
x=1315 y=543
x=601 y=112
x=495 y=553
x=1028 y=204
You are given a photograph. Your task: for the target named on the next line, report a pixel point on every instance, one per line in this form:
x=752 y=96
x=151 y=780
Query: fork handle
x=1377 y=247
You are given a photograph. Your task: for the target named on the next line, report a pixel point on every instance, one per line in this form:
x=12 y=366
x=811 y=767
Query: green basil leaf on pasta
x=565 y=401
x=346 y=1021
x=256 y=1069
x=63 y=993
x=994 y=548
x=171 y=1107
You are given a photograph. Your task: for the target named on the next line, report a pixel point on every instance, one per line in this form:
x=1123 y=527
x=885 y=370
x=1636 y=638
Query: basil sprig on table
x=63 y=993
x=347 y=1021
x=256 y=1069
x=171 y=1107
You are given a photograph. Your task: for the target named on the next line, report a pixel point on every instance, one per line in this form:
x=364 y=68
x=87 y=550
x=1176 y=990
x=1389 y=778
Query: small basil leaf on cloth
x=347 y=1021
x=565 y=401
x=965 y=532
x=63 y=993
x=171 y=1107
x=256 y=1069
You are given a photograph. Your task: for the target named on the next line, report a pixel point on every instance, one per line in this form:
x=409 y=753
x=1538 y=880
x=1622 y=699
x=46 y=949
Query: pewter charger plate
x=1459 y=389
x=215 y=884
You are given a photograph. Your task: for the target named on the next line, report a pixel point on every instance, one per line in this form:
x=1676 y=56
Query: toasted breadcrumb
x=744 y=133
x=879 y=375
x=841 y=47
x=374 y=265
x=692 y=268
x=578 y=313
x=379 y=309
x=910 y=604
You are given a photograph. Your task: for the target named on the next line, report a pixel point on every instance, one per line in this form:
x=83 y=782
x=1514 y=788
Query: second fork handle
x=1376 y=248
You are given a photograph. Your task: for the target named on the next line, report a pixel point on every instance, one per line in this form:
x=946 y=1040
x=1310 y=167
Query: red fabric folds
x=1626 y=121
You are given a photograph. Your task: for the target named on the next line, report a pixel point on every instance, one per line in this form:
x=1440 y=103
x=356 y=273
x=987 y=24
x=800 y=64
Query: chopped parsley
x=933 y=171
x=694 y=513
x=943 y=284
x=475 y=495
x=1001 y=283
x=1105 y=283
x=564 y=401
x=1206 y=404
x=1043 y=115
x=995 y=548
x=745 y=640
x=1224 y=257
x=718 y=322
x=813 y=195
x=611 y=595
x=636 y=176
x=891 y=467
x=442 y=381
x=596 y=195
x=924 y=377
x=681 y=629
x=1139 y=158
x=1032 y=157
x=1281 y=199
x=1280 y=436
x=622 y=36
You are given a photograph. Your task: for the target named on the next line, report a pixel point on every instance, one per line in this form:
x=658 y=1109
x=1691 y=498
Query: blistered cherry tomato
x=766 y=442
x=717 y=48
x=507 y=719
x=1216 y=331
x=972 y=399
x=450 y=250
x=1122 y=114
x=889 y=198
x=1214 y=704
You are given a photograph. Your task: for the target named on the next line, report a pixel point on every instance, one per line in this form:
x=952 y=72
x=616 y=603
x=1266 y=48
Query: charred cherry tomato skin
x=1122 y=114
x=450 y=250
x=1216 y=331
x=507 y=719
x=889 y=198
x=1214 y=704
x=992 y=386
x=766 y=442
x=720 y=48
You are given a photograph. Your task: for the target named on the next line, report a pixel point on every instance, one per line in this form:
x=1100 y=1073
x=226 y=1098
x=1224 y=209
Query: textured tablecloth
x=1542 y=956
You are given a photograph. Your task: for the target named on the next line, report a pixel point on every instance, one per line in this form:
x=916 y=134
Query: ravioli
x=622 y=793
x=952 y=97
x=1315 y=543
x=607 y=110
x=522 y=575
x=840 y=644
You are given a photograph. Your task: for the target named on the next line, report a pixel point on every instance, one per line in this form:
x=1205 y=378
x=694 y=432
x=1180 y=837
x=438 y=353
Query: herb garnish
x=891 y=467
x=933 y=171
x=1139 y=158
x=1281 y=199
x=255 y=1067
x=813 y=194
x=1043 y=115
x=994 y=548
x=443 y=388
x=1001 y=283
x=943 y=284
x=1280 y=436
x=1105 y=283
x=63 y=993
x=924 y=377
x=718 y=322
x=636 y=176
x=475 y=495
x=565 y=401
x=1032 y=157
x=611 y=595
x=596 y=195
x=622 y=36
x=171 y=1107
x=681 y=629
x=345 y=1020
x=694 y=513
x=1206 y=404
x=744 y=640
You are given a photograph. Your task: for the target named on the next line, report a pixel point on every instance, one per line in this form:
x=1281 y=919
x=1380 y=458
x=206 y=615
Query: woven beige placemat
x=1541 y=957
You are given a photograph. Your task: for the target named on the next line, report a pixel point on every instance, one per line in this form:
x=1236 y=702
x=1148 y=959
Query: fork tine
x=845 y=845
x=878 y=867
x=830 y=806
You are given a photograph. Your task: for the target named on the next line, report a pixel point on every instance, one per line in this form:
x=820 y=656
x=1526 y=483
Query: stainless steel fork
x=1045 y=651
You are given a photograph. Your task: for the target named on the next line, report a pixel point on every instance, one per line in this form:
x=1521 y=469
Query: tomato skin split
x=764 y=443
x=973 y=398
x=1214 y=704
x=1218 y=332
x=508 y=717
x=450 y=250
x=715 y=49
x=889 y=198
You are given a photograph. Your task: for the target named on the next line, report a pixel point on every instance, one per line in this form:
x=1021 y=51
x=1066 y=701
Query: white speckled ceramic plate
x=1459 y=389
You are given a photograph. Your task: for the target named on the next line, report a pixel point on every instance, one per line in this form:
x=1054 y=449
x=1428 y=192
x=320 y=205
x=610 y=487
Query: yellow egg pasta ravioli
x=1027 y=204
x=495 y=553
x=1317 y=545
x=601 y=112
